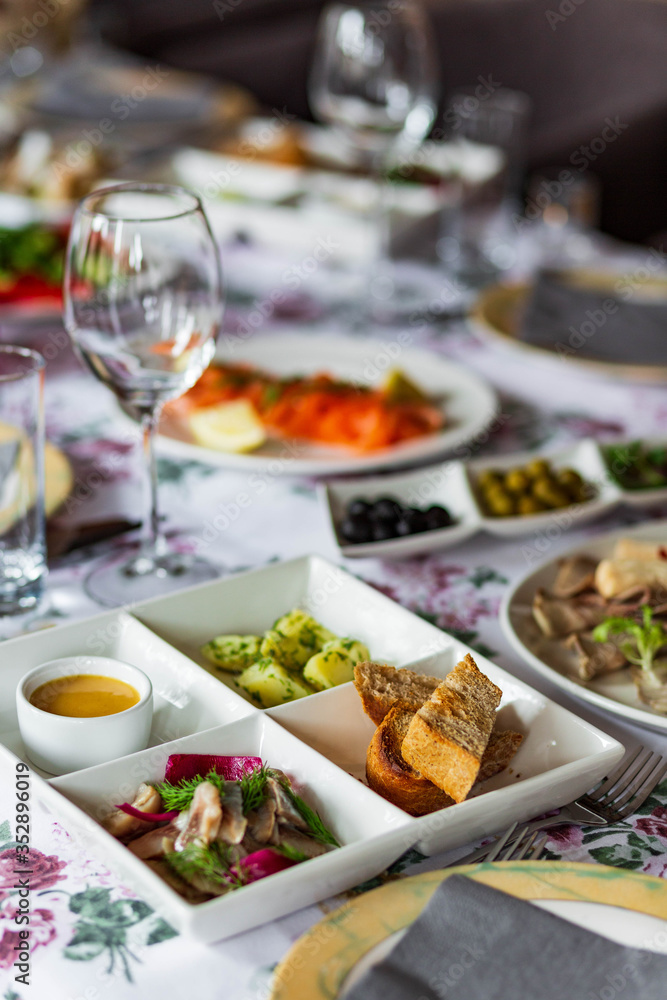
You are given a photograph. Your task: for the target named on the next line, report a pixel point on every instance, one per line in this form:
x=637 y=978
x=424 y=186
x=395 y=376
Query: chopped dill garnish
x=254 y=788
x=315 y=822
x=214 y=862
x=180 y=796
x=289 y=852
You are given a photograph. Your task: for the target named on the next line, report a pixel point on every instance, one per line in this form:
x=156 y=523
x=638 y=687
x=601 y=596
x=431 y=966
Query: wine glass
x=373 y=77
x=143 y=304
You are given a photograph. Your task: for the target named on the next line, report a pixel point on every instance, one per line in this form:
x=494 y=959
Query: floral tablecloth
x=89 y=936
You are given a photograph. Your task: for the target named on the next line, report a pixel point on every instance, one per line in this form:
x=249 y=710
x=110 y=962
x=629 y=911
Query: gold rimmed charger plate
x=498 y=315
x=318 y=964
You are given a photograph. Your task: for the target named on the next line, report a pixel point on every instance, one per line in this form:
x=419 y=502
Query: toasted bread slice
x=380 y=686
x=390 y=775
x=447 y=737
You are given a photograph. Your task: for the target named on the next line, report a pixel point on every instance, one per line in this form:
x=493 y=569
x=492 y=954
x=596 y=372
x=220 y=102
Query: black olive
x=356 y=530
x=387 y=509
x=357 y=507
x=438 y=517
x=384 y=529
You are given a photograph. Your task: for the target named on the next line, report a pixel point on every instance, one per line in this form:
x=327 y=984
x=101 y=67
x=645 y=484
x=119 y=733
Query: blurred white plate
x=468 y=403
x=613 y=692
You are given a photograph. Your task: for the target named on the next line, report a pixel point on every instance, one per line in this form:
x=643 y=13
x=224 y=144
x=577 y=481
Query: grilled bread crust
x=380 y=686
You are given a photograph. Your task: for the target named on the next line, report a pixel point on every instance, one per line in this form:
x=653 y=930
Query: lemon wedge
x=233 y=427
x=400 y=389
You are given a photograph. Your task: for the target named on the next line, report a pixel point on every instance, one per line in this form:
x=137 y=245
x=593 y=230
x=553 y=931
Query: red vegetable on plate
x=185 y=766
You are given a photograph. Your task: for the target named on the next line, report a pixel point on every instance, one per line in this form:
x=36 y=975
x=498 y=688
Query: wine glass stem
x=154 y=542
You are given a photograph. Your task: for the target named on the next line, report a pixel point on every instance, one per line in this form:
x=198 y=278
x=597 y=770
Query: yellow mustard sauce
x=84 y=696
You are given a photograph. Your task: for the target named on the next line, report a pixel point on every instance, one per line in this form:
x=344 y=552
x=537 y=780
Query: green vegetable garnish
x=254 y=788
x=180 y=796
x=315 y=823
x=644 y=639
x=214 y=862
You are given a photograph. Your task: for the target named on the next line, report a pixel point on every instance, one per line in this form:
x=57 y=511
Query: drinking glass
x=373 y=78
x=143 y=304
x=22 y=547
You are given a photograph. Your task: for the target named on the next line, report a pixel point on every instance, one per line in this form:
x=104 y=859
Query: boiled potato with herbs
x=294 y=638
x=232 y=652
x=335 y=663
x=269 y=683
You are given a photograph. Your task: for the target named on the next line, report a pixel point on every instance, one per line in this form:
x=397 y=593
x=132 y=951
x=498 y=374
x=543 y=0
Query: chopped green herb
x=254 y=788
x=214 y=862
x=180 y=796
x=645 y=638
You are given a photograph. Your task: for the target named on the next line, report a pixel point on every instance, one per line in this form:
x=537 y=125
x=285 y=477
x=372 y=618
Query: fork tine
x=619 y=796
x=626 y=770
x=522 y=846
x=499 y=844
x=643 y=792
x=539 y=847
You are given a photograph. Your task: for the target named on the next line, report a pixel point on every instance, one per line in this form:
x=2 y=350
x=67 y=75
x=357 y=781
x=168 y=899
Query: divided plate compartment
x=613 y=692
x=584 y=457
x=445 y=484
x=321 y=740
x=186 y=700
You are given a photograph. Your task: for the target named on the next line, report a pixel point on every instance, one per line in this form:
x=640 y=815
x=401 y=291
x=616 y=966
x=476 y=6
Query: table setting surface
x=90 y=934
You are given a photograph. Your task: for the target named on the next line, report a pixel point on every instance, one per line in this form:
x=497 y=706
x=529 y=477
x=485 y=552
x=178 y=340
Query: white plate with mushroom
x=550 y=614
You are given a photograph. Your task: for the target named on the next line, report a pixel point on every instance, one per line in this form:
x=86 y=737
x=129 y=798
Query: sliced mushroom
x=575 y=574
x=592 y=658
x=562 y=616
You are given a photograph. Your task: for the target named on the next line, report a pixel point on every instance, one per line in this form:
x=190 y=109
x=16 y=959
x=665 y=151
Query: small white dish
x=185 y=699
x=60 y=743
x=444 y=484
x=646 y=496
x=584 y=457
x=614 y=692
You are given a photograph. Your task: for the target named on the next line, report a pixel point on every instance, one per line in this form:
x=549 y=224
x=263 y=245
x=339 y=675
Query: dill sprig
x=293 y=853
x=316 y=824
x=254 y=788
x=179 y=796
x=214 y=862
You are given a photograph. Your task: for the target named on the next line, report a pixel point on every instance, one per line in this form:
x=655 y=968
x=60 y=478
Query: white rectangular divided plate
x=321 y=739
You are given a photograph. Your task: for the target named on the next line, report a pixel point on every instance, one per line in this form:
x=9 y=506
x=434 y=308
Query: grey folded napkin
x=618 y=325
x=476 y=943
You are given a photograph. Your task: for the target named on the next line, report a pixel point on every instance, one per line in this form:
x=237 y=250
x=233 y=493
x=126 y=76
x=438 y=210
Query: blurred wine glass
x=143 y=305
x=373 y=78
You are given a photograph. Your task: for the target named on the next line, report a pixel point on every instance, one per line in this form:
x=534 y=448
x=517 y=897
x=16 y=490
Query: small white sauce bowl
x=60 y=743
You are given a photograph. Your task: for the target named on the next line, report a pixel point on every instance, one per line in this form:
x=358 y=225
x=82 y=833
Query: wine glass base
x=137 y=576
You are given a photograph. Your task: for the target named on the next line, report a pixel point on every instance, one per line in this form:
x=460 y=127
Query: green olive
x=529 y=505
x=517 y=482
x=550 y=493
x=499 y=503
x=490 y=478
x=569 y=479
x=538 y=467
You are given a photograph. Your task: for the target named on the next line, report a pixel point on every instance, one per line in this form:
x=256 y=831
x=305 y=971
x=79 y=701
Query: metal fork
x=610 y=801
